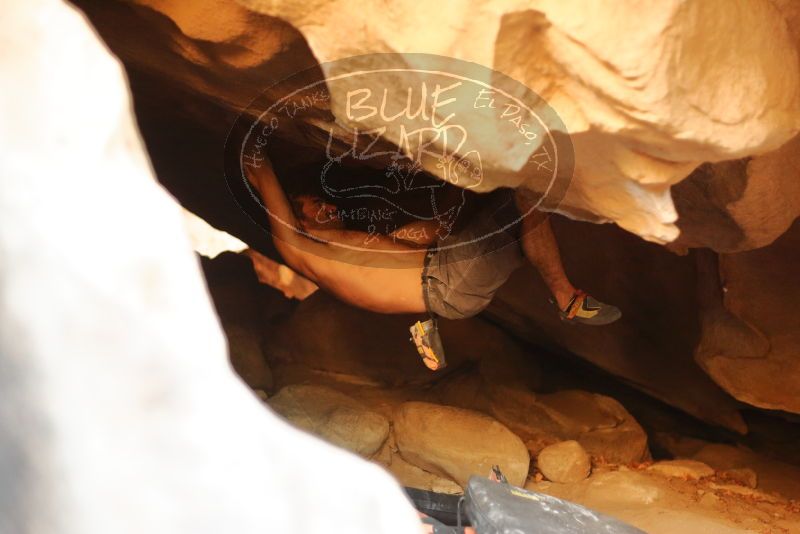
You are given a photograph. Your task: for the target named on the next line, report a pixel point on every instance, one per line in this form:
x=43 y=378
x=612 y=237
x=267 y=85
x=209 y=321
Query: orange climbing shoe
x=585 y=309
x=425 y=336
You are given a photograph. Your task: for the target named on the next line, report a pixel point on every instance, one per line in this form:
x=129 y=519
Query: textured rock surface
x=687 y=469
x=244 y=350
x=772 y=475
x=600 y=424
x=643 y=111
x=565 y=462
x=723 y=205
x=741 y=475
x=629 y=487
x=458 y=443
x=635 y=150
x=409 y=475
x=751 y=337
x=240 y=301
x=333 y=416
x=412 y=476
x=659 y=505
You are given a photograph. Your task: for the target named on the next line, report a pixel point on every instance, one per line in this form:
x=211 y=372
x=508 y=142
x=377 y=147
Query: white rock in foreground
x=118 y=409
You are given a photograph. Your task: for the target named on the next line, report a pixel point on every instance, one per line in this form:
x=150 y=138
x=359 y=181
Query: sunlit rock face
x=644 y=92
x=683 y=115
x=648 y=94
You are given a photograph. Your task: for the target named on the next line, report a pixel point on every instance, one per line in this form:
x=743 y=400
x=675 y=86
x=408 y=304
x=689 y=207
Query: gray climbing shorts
x=463 y=272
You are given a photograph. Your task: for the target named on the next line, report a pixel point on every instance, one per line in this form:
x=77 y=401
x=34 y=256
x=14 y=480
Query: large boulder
x=410 y=475
x=333 y=416
x=458 y=443
x=599 y=423
x=565 y=462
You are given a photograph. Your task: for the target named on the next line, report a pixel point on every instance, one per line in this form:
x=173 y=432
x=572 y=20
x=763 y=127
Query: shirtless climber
x=451 y=282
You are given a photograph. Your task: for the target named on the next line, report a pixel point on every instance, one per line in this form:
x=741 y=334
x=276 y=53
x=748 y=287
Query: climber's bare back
x=341 y=261
x=379 y=289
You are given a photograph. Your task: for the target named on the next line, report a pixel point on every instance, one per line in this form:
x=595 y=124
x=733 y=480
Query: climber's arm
x=296 y=249
x=327 y=257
